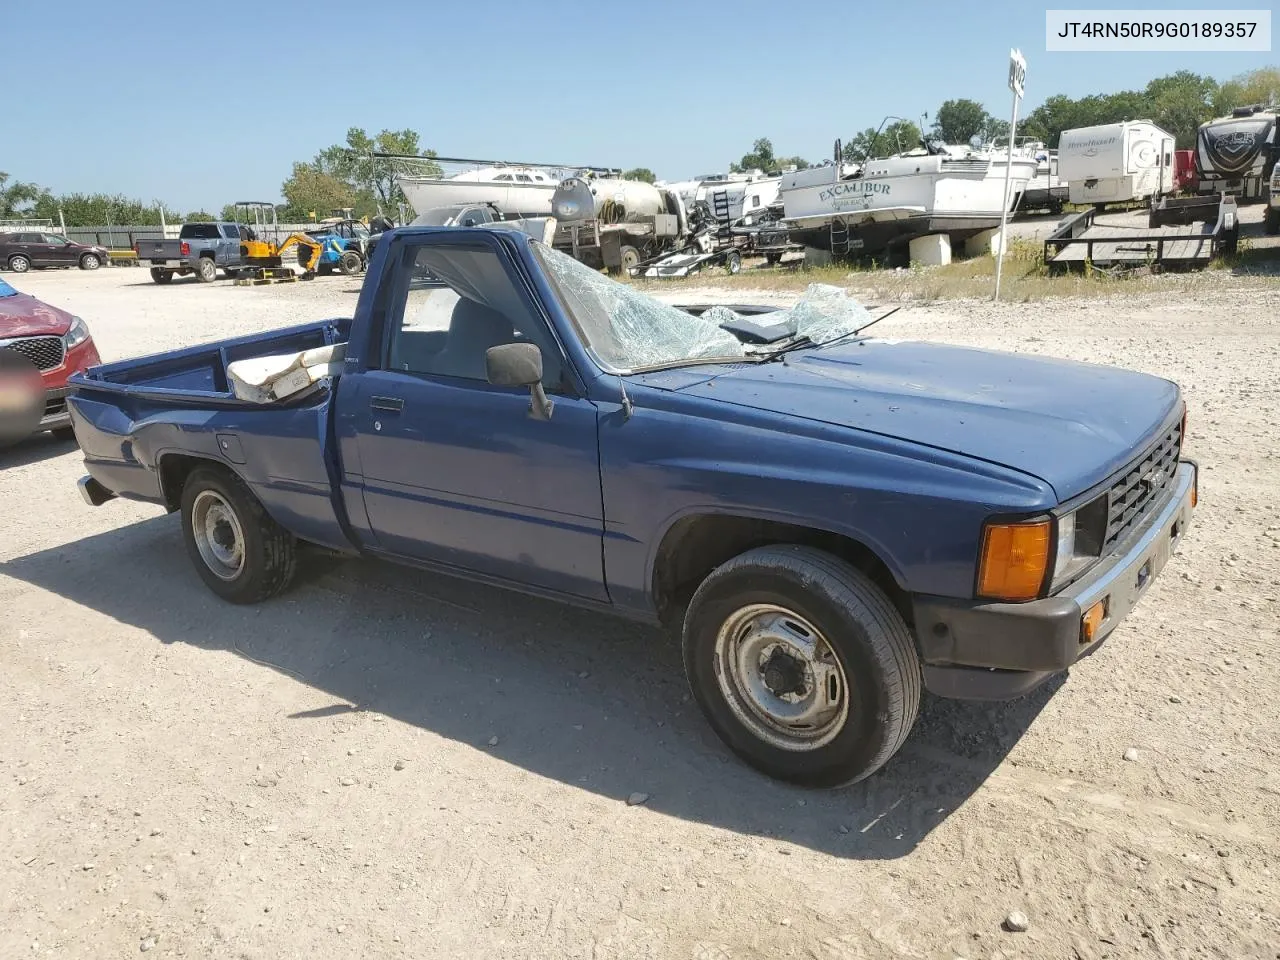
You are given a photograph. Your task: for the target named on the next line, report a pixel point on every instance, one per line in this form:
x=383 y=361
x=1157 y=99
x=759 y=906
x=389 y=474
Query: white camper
x=1116 y=162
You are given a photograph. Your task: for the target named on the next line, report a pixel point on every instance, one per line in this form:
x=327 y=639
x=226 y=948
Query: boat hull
x=902 y=198
x=513 y=199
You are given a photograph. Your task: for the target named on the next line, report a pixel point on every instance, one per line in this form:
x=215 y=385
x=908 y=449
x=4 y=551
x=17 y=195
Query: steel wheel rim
x=218 y=535
x=781 y=677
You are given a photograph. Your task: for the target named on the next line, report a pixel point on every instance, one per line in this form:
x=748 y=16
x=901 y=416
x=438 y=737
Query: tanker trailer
x=616 y=224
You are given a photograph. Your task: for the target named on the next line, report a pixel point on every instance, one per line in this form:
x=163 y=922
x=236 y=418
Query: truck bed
x=137 y=419
x=198 y=375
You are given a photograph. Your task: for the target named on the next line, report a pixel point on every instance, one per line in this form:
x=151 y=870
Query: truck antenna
x=627 y=406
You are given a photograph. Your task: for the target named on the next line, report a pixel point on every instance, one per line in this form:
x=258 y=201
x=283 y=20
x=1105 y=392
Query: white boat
x=515 y=191
x=952 y=190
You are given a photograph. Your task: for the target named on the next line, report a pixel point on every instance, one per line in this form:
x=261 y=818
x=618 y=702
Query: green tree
x=762 y=158
x=372 y=177
x=310 y=190
x=195 y=216
x=1181 y=102
x=640 y=173
x=960 y=121
x=97 y=209
x=17 y=199
x=898 y=137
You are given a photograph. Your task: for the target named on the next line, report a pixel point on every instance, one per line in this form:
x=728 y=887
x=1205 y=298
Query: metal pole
x=1004 y=211
x=62 y=220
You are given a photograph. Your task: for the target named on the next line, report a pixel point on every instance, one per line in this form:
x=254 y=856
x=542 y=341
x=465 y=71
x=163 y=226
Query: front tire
x=90 y=261
x=350 y=263
x=802 y=665
x=240 y=552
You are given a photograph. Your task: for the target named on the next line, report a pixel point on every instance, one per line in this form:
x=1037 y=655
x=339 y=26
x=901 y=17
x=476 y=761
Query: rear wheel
x=733 y=263
x=19 y=263
x=241 y=554
x=206 y=270
x=161 y=276
x=90 y=261
x=802 y=665
x=1271 y=221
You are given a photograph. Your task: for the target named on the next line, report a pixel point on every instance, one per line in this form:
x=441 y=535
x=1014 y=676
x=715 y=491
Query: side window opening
x=449 y=305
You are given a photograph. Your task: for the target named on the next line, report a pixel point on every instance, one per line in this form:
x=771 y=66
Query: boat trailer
x=1181 y=233
x=686 y=262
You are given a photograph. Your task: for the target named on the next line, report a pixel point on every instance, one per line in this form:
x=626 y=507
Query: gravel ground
x=388 y=764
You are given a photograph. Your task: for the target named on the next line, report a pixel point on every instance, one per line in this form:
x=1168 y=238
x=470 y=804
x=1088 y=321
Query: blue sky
x=171 y=105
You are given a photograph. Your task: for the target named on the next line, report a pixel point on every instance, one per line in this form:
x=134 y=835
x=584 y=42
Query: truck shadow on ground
x=594 y=702
x=35 y=449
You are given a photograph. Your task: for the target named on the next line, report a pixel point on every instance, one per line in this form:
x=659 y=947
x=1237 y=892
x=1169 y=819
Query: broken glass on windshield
x=628 y=330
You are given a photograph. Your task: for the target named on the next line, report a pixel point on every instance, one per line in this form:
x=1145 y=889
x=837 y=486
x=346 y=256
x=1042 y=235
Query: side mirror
x=519 y=365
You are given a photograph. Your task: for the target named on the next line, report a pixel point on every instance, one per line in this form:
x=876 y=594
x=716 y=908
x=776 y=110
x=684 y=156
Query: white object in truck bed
x=271 y=378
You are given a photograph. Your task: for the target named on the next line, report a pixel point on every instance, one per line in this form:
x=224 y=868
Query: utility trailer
x=1179 y=237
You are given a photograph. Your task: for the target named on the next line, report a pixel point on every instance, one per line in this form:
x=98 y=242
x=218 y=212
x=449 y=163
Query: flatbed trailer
x=1183 y=237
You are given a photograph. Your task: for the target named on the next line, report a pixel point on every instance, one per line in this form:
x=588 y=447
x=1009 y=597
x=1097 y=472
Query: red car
x=57 y=345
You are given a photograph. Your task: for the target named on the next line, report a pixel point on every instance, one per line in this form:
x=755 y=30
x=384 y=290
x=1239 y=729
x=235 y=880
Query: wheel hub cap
x=781 y=678
x=218 y=536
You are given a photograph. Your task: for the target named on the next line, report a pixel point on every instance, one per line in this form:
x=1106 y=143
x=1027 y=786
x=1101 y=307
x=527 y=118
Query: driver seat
x=473 y=329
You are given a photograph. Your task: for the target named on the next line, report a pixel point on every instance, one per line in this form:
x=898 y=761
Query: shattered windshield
x=628 y=330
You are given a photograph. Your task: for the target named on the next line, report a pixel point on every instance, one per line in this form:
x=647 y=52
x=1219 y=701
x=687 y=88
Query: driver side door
x=453 y=469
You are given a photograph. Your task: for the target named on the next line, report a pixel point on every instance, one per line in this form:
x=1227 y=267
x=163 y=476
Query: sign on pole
x=1017 y=84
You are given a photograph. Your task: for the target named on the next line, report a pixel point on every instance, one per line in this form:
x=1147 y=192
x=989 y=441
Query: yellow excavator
x=262 y=251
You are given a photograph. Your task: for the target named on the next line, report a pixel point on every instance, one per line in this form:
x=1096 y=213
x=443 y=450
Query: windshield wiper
x=805 y=341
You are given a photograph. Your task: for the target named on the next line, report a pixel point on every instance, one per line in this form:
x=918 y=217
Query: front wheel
x=802 y=665
x=90 y=261
x=350 y=263
x=240 y=552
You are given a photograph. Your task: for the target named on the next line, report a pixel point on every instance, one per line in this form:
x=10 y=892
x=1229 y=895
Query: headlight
x=1079 y=540
x=77 y=335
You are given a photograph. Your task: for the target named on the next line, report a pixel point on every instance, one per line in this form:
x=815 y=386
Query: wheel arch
x=174 y=469
x=695 y=543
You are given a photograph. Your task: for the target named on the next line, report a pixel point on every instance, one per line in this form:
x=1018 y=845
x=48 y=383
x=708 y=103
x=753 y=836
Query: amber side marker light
x=1092 y=620
x=1015 y=557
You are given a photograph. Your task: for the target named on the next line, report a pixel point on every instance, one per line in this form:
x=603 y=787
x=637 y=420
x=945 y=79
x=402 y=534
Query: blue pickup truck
x=833 y=521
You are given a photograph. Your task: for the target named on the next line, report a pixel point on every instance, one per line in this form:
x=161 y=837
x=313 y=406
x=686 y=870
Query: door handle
x=393 y=404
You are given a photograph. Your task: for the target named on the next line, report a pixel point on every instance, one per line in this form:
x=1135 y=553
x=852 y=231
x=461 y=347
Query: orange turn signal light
x=1092 y=620
x=1015 y=558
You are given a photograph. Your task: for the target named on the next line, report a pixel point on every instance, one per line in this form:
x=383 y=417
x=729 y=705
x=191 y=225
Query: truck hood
x=1069 y=424
x=25 y=316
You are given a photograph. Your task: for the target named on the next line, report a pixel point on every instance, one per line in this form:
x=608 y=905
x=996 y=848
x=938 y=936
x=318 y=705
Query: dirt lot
x=388 y=764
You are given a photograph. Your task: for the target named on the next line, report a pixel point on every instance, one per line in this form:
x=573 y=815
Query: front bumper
x=995 y=651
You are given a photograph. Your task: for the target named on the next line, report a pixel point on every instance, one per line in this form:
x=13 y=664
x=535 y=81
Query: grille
x=44 y=352
x=1141 y=486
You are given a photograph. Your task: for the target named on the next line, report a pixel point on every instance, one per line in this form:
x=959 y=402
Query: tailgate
x=158 y=249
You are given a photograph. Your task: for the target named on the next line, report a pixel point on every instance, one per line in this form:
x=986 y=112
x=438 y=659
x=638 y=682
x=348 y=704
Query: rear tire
x=161 y=276
x=206 y=270
x=19 y=263
x=1271 y=221
x=241 y=554
x=802 y=665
